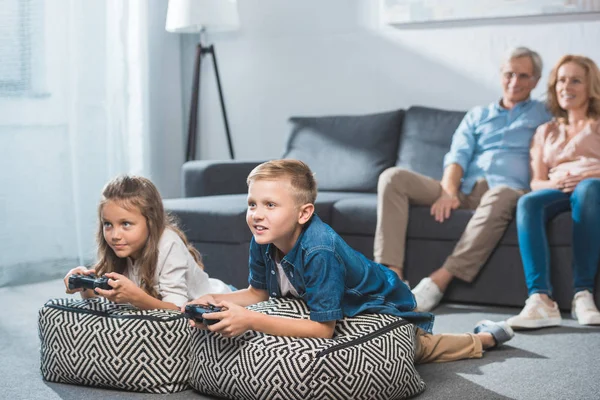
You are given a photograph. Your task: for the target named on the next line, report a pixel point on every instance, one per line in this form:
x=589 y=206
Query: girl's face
x=125 y=231
x=572 y=87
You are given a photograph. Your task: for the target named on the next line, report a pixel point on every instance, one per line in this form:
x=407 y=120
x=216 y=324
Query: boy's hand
x=202 y=300
x=79 y=270
x=123 y=289
x=234 y=319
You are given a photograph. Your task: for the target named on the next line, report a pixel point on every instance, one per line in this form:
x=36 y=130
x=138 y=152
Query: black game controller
x=195 y=311
x=88 y=282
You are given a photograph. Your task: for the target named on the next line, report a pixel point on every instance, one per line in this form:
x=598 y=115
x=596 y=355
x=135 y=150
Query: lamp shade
x=190 y=16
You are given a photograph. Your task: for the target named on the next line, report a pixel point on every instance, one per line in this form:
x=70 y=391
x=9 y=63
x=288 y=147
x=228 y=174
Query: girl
x=565 y=164
x=147 y=258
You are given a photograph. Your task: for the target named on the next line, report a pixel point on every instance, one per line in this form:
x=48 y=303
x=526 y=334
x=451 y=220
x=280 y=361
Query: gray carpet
x=557 y=363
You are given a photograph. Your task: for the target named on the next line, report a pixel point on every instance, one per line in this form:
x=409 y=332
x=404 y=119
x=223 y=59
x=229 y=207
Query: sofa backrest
x=426 y=137
x=346 y=153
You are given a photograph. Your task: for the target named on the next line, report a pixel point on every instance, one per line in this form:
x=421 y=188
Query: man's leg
x=396 y=190
x=483 y=232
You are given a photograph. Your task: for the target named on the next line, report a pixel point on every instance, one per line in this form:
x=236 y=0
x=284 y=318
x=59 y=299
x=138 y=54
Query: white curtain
x=82 y=117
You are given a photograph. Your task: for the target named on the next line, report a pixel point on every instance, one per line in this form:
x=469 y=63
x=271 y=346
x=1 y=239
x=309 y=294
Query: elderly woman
x=565 y=164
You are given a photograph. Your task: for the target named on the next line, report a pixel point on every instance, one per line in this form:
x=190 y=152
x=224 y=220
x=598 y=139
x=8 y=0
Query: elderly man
x=486 y=169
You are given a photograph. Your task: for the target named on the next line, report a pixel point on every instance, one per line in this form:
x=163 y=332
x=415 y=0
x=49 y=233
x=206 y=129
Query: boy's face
x=273 y=214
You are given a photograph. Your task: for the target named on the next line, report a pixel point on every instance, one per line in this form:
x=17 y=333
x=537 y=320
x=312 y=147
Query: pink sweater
x=562 y=155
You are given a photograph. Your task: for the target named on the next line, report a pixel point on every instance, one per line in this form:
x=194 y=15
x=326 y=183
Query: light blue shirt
x=493 y=143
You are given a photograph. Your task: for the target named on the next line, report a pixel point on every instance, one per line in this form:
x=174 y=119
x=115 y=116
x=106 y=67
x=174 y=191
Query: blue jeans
x=535 y=209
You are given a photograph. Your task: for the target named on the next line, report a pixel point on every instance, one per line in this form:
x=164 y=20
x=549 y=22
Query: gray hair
x=519 y=52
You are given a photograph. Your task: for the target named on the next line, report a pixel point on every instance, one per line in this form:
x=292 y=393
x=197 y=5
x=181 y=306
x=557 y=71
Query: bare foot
x=487 y=340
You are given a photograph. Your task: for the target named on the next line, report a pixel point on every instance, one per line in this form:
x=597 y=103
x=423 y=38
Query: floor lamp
x=200 y=16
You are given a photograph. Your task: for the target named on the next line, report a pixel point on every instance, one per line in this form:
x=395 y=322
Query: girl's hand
x=234 y=319
x=123 y=289
x=79 y=270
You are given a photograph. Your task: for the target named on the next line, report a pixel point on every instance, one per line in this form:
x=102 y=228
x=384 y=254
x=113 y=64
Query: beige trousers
x=446 y=347
x=398 y=188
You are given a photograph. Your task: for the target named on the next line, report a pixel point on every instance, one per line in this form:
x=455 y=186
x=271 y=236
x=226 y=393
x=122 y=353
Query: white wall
x=316 y=57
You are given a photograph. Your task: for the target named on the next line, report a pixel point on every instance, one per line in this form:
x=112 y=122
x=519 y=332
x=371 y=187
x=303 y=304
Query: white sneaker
x=536 y=314
x=584 y=309
x=427 y=294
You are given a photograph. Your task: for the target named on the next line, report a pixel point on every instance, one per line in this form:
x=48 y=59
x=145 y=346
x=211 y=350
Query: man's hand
x=234 y=320
x=79 y=270
x=123 y=289
x=443 y=206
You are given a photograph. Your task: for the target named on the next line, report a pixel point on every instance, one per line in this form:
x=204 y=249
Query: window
x=21 y=50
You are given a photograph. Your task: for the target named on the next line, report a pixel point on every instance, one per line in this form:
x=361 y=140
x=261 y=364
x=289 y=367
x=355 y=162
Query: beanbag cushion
x=369 y=357
x=95 y=342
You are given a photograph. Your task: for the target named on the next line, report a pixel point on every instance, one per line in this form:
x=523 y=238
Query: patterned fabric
x=98 y=343
x=370 y=357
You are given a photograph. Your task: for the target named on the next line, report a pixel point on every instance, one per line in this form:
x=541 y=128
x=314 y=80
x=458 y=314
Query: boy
x=294 y=253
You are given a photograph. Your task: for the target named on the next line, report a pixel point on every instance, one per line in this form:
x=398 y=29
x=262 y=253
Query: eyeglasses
x=509 y=75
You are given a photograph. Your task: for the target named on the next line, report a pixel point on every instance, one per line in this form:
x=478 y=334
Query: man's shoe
x=584 y=310
x=536 y=314
x=500 y=331
x=427 y=294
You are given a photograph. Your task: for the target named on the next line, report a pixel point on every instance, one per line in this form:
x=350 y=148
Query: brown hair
x=301 y=177
x=137 y=192
x=593 y=81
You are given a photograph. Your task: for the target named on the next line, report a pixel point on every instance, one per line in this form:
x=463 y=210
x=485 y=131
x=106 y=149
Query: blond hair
x=136 y=192
x=593 y=81
x=301 y=177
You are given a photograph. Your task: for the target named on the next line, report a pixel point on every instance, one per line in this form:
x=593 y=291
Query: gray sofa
x=347 y=154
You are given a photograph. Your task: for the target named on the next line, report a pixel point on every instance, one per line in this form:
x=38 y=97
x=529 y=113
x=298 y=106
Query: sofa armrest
x=210 y=178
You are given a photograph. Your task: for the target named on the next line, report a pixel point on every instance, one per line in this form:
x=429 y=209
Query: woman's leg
x=585 y=203
x=534 y=210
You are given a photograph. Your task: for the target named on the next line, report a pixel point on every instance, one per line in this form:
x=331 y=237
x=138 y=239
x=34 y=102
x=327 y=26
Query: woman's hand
x=567 y=183
x=123 y=289
x=81 y=270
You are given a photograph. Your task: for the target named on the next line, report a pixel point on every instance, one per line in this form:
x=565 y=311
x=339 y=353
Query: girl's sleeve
x=172 y=283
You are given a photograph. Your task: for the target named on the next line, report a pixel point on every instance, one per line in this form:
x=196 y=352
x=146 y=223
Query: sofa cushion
x=346 y=153
x=222 y=219
x=426 y=137
x=357 y=215
x=216 y=219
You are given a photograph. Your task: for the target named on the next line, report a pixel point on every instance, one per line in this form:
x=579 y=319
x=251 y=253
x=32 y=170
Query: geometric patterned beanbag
x=369 y=357
x=95 y=342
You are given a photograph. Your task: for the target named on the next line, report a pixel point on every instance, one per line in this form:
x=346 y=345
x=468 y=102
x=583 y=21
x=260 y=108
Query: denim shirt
x=333 y=279
x=493 y=143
